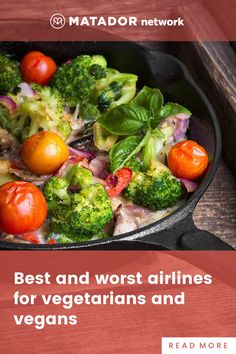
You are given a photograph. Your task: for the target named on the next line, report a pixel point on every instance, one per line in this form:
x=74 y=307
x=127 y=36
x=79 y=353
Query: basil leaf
x=121 y=151
x=125 y=149
x=126 y=119
x=151 y=99
x=171 y=109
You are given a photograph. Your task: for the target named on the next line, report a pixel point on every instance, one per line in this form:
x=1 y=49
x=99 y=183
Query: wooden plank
x=216 y=211
x=213 y=65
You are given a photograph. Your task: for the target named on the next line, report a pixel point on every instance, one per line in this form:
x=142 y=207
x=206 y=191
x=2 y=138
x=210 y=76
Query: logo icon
x=57 y=21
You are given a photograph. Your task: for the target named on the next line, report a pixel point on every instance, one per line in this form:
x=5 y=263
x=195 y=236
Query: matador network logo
x=57 y=21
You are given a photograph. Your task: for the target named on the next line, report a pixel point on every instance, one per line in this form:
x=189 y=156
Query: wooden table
x=213 y=67
x=216 y=211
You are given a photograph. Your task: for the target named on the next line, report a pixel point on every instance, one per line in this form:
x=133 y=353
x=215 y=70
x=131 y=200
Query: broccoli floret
x=64 y=129
x=154 y=192
x=77 y=216
x=43 y=112
x=10 y=75
x=91 y=210
x=115 y=89
x=89 y=111
x=56 y=194
x=80 y=176
x=75 y=80
x=51 y=98
x=86 y=80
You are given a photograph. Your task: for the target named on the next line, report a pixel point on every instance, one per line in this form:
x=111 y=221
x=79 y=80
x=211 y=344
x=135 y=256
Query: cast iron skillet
x=157 y=69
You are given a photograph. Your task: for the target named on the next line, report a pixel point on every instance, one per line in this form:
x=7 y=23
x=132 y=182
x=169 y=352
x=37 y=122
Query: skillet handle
x=202 y=240
x=184 y=235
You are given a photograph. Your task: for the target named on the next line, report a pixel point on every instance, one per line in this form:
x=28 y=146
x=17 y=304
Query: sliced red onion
x=180 y=123
x=104 y=174
x=97 y=166
x=8 y=103
x=62 y=170
x=99 y=180
x=138 y=211
x=183 y=116
x=81 y=153
x=125 y=221
x=26 y=90
x=180 y=129
x=190 y=186
x=12 y=239
x=25 y=175
x=110 y=226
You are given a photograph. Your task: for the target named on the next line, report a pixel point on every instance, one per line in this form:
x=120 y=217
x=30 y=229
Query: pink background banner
x=209 y=309
x=212 y=20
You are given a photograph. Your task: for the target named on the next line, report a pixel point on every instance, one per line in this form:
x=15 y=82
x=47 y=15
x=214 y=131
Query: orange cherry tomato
x=23 y=208
x=187 y=159
x=37 y=67
x=117 y=182
x=44 y=152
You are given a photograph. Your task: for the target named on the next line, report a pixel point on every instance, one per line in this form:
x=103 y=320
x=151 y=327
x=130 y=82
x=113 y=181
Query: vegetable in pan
x=87 y=81
x=37 y=67
x=10 y=75
x=77 y=216
x=22 y=208
x=75 y=80
x=155 y=192
x=89 y=156
x=35 y=109
x=46 y=147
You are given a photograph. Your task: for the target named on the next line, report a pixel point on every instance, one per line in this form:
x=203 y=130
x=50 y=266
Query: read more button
x=198 y=345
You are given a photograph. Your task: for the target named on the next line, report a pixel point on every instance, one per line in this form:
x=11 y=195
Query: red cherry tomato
x=31 y=237
x=51 y=242
x=187 y=159
x=23 y=208
x=117 y=182
x=37 y=67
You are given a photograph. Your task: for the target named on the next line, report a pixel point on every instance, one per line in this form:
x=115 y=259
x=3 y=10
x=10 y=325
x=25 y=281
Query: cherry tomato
x=51 y=242
x=23 y=208
x=187 y=160
x=44 y=152
x=117 y=182
x=31 y=237
x=37 y=67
